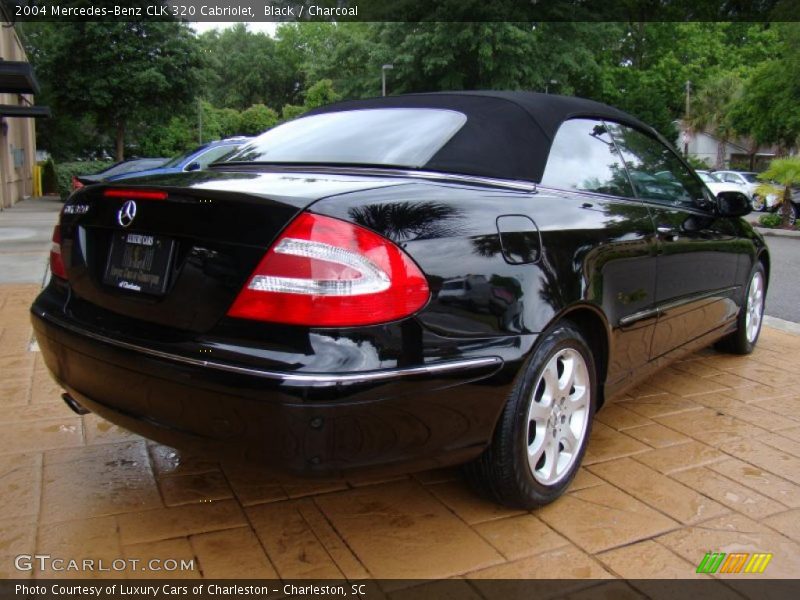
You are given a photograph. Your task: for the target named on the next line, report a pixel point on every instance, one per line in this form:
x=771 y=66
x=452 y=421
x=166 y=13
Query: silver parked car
x=749 y=181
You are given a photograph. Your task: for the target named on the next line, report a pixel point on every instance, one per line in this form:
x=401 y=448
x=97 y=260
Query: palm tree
x=710 y=111
x=785 y=172
x=405 y=221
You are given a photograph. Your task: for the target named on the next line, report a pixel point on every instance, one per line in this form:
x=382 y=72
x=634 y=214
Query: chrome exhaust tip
x=74 y=404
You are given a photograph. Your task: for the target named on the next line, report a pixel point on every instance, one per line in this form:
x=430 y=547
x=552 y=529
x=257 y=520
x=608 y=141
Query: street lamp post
x=384 y=68
x=688 y=88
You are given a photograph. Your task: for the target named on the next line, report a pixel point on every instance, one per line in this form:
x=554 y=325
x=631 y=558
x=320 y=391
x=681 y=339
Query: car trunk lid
x=180 y=258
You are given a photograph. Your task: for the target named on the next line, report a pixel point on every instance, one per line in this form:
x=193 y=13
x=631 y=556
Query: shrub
x=292 y=111
x=65 y=171
x=257 y=119
x=770 y=220
x=698 y=163
x=49 y=177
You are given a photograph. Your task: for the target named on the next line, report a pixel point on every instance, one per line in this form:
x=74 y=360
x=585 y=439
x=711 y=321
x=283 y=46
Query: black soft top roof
x=507 y=134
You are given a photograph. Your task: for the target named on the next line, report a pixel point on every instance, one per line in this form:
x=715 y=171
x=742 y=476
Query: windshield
x=218 y=153
x=751 y=177
x=706 y=177
x=135 y=165
x=404 y=137
x=174 y=162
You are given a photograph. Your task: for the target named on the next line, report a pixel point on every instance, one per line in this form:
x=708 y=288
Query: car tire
x=758 y=203
x=751 y=316
x=541 y=436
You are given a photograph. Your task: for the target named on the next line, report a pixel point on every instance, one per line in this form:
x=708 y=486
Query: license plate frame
x=139 y=262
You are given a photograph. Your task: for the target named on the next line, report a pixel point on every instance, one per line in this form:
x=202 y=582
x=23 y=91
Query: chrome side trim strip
x=667 y=306
x=514 y=184
x=642 y=315
x=319 y=379
x=696 y=298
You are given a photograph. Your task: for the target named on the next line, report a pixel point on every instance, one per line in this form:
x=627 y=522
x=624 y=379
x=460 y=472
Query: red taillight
x=76 y=183
x=135 y=194
x=56 y=262
x=329 y=273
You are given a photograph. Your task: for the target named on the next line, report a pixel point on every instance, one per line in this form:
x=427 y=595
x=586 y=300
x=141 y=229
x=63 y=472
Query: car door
x=697 y=251
x=617 y=251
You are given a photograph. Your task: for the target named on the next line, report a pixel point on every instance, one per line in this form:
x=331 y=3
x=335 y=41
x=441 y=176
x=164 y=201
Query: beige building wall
x=17 y=134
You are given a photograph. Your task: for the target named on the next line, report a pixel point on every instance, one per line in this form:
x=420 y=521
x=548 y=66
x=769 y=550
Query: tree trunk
x=722 y=145
x=120 y=141
x=786 y=206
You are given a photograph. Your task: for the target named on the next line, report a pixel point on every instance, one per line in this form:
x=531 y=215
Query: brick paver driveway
x=705 y=457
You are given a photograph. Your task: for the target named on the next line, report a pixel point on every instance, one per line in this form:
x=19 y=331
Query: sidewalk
x=705 y=457
x=778 y=232
x=25 y=233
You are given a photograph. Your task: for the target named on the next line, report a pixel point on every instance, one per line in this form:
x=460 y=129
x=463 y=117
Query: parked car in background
x=124 y=167
x=716 y=185
x=193 y=160
x=400 y=283
x=750 y=182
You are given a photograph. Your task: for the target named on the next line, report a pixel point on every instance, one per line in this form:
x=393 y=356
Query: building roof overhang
x=17 y=78
x=37 y=112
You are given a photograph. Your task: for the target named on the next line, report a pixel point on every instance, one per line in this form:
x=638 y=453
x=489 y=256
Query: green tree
x=257 y=119
x=292 y=111
x=320 y=94
x=769 y=109
x=242 y=68
x=341 y=52
x=560 y=57
x=649 y=65
x=168 y=139
x=711 y=111
x=119 y=73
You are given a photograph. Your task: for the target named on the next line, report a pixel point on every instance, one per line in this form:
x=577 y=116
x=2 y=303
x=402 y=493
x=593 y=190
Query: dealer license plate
x=139 y=262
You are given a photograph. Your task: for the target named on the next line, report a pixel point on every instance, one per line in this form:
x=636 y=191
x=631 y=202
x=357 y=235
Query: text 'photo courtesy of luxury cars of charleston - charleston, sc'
x=170 y=590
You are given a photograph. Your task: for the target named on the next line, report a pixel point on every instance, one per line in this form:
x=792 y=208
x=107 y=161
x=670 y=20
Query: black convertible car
x=400 y=283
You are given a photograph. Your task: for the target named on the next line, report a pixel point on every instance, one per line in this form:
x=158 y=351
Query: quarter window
x=583 y=157
x=656 y=171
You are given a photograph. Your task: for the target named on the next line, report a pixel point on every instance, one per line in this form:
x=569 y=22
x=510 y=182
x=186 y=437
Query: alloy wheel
x=755 y=306
x=558 y=416
x=758 y=203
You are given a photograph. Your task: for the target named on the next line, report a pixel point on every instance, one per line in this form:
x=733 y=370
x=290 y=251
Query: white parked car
x=717 y=185
x=749 y=181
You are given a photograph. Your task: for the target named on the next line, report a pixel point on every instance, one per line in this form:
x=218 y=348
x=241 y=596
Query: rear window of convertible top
x=400 y=137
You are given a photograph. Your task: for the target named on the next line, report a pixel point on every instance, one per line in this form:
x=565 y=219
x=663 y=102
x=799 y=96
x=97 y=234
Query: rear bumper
x=302 y=423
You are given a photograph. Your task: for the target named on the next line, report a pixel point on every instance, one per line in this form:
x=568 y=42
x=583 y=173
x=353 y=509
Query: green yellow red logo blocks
x=735 y=562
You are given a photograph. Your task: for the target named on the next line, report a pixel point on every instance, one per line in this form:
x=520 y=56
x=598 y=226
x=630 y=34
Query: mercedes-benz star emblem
x=127 y=213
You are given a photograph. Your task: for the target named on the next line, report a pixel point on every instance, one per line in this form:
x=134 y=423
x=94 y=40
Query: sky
x=266 y=27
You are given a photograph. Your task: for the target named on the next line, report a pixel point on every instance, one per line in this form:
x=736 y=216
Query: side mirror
x=733 y=204
x=192 y=166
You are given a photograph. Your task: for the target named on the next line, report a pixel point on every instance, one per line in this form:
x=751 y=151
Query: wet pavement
x=704 y=457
